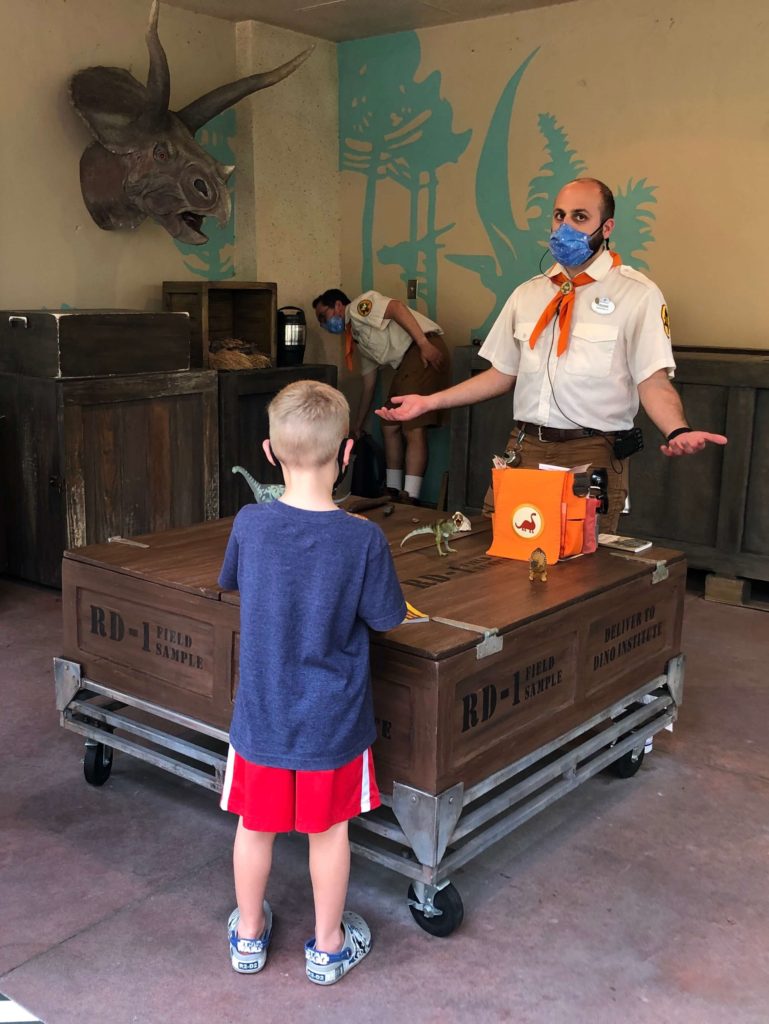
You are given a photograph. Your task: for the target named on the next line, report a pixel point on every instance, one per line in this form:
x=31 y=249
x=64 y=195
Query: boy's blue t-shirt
x=311 y=584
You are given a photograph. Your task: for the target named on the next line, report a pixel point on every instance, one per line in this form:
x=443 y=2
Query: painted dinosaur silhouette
x=528 y=525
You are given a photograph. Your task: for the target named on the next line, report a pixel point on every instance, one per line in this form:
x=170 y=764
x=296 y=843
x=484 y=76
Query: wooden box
x=92 y=342
x=219 y=310
x=152 y=622
x=243 y=425
x=90 y=458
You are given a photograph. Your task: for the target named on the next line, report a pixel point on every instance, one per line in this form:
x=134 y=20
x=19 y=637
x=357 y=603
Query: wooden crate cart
x=513 y=693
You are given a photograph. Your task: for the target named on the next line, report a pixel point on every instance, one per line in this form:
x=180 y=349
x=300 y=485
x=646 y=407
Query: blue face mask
x=334 y=324
x=571 y=248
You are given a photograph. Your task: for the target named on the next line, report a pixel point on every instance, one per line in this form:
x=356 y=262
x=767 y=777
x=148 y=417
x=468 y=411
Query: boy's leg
x=251 y=861
x=330 y=873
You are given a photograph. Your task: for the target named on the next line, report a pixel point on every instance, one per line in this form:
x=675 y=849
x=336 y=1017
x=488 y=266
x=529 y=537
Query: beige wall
x=288 y=215
x=668 y=90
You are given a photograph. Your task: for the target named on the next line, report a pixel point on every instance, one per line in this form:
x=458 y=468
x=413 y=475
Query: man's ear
x=348 y=443
x=608 y=227
x=267 y=449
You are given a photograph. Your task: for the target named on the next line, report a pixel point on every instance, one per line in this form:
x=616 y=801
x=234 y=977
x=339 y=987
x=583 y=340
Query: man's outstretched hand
x=404 y=407
x=691 y=442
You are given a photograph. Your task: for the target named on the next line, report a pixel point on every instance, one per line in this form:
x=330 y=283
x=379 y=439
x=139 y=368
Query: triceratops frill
x=145 y=161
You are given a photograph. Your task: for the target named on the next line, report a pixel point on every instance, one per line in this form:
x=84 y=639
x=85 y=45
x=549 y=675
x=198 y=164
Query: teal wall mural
x=518 y=250
x=392 y=126
x=215 y=260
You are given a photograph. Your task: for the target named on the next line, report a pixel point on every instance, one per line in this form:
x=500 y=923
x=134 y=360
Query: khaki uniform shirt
x=619 y=336
x=381 y=342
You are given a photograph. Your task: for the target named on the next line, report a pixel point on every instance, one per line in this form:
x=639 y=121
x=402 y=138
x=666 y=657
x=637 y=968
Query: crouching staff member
x=582 y=343
x=388 y=333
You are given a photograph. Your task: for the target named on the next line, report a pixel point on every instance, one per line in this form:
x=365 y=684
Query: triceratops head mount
x=145 y=161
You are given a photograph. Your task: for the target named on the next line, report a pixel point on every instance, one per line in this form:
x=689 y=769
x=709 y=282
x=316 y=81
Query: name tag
x=603 y=306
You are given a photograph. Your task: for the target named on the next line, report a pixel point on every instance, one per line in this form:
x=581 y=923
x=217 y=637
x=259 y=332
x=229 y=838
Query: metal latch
x=660 y=571
x=492 y=642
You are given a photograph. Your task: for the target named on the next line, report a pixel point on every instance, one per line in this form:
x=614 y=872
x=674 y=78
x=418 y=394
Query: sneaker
x=249 y=956
x=326 y=968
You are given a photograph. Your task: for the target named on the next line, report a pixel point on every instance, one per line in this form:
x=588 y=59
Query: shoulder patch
x=665 y=319
x=364 y=307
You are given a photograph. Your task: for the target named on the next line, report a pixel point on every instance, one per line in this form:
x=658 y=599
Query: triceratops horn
x=197 y=113
x=158 y=78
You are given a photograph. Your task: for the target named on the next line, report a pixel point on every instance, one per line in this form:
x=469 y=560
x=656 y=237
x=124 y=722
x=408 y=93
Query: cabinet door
x=140 y=454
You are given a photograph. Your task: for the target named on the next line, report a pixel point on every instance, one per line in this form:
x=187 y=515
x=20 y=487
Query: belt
x=556 y=434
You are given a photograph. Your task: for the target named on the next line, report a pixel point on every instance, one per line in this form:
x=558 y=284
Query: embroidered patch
x=665 y=319
x=364 y=307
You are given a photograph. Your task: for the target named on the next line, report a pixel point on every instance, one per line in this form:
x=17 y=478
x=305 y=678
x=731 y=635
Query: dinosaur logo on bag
x=527 y=521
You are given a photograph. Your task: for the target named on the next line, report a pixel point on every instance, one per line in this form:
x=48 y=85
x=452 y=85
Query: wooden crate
x=152 y=622
x=226 y=309
x=243 y=425
x=89 y=458
x=92 y=342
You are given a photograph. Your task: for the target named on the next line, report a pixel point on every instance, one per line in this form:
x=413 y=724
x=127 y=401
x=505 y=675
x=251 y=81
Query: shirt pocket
x=591 y=349
x=530 y=358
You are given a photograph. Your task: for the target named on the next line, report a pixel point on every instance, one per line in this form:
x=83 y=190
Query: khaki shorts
x=412 y=378
x=594 y=450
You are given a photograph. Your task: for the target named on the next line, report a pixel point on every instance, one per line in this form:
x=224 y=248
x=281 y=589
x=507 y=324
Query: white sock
x=395 y=479
x=413 y=485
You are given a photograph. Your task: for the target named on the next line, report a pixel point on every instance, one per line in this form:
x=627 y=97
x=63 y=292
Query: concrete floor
x=643 y=900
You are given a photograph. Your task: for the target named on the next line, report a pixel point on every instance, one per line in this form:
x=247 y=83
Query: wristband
x=676 y=432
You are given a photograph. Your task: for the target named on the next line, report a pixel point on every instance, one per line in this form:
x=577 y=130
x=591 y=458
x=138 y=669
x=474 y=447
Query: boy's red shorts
x=282 y=800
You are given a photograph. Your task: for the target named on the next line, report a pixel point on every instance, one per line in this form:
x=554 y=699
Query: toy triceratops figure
x=442 y=529
x=145 y=161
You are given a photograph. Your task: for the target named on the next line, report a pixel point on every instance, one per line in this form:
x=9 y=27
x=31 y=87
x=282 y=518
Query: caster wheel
x=449 y=902
x=628 y=764
x=97 y=763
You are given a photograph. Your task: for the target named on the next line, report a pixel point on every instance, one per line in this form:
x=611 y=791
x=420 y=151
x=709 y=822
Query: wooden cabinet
x=712 y=505
x=85 y=459
x=218 y=310
x=243 y=399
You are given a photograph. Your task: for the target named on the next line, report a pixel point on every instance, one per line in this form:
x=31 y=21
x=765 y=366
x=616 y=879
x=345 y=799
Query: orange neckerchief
x=348 y=345
x=563 y=304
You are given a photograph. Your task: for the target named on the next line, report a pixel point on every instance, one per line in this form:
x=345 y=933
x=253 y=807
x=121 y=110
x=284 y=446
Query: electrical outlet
x=411 y=288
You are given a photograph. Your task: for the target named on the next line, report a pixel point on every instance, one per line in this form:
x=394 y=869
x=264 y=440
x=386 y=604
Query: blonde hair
x=308 y=421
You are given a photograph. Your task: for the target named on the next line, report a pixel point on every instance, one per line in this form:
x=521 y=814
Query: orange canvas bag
x=536 y=508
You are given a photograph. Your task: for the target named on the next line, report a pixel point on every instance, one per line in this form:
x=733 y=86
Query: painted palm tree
x=214 y=260
x=395 y=127
x=518 y=250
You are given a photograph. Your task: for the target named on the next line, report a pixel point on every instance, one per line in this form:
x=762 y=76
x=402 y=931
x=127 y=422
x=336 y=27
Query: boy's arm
x=228 y=577
x=382 y=605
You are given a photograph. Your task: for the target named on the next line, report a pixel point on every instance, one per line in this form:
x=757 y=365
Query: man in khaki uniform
x=582 y=343
x=387 y=333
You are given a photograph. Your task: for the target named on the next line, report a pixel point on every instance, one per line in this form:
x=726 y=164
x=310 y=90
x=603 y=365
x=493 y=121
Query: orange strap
x=348 y=345
x=563 y=304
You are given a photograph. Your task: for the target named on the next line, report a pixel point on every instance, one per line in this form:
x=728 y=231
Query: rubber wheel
x=627 y=765
x=446 y=900
x=97 y=763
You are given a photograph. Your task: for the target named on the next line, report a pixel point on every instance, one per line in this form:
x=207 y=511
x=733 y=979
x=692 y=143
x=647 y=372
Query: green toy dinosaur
x=442 y=529
x=270 y=492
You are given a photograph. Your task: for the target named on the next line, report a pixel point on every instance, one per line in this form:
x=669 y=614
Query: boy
x=312 y=580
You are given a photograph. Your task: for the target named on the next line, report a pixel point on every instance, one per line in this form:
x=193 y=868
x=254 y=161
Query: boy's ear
x=347 y=449
x=267 y=449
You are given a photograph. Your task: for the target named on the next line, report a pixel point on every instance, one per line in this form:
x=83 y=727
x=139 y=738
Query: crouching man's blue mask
x=334 y=324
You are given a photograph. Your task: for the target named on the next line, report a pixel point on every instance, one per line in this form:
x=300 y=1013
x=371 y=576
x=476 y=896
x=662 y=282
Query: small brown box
x=92 y=342
x=220 y=310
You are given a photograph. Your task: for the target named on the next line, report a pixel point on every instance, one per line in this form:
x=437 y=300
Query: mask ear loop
x=340 y=463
